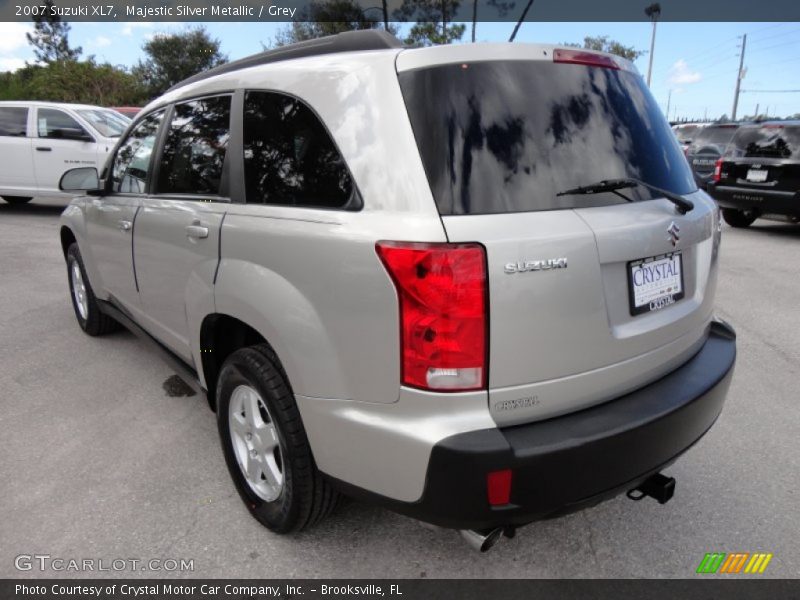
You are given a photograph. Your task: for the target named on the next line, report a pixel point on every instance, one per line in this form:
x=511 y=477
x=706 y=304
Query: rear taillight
x=581 y=57
x=717 y=170
x=442 y=293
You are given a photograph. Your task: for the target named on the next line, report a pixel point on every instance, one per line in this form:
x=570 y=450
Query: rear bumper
x=577 y=460
x=764 y=201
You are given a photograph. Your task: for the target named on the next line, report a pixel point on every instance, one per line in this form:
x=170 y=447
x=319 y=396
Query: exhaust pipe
x=482 y=541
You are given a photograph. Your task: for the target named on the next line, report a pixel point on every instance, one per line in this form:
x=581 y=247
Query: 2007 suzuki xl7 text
x=472 y=283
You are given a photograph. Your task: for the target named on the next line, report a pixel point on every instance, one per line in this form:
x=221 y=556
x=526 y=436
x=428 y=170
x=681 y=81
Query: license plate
x=655 y=283
x=756 y=175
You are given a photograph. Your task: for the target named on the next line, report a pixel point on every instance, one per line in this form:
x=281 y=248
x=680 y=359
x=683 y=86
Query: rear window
x=766 y=141
x=13 y=121
x=687 y=133
x=506 y=136
x=713 y=135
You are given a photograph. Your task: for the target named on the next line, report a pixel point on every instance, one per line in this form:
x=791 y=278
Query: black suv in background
x=707 y=147
x=759 y=174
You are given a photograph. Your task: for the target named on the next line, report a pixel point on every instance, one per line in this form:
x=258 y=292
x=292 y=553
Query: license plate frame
x=757 y=175
x=662 y=298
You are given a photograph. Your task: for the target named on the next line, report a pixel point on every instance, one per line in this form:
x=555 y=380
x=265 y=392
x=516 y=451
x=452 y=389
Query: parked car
x=41 y=140
x=759 y=175
x=708 y=146
x=687 y=132
x=480 y=311
x=128 y=111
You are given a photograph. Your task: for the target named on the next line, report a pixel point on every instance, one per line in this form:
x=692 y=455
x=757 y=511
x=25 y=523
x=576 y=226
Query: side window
x=13 y=121
x=289 y=158
x=56 y=124
x=132 y=162
x=195 y=147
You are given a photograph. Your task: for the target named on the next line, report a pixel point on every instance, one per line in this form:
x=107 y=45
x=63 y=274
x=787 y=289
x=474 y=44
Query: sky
x=697 y=62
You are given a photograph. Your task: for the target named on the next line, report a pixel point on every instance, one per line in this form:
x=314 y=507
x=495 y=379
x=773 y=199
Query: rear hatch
x=765 y=157
x=508 y=130
x=707 y=148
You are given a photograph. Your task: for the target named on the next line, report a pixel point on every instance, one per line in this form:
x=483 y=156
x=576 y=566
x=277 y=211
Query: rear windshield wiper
x=614 y=185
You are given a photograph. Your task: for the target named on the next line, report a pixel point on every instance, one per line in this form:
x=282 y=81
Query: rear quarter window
x=13 y=121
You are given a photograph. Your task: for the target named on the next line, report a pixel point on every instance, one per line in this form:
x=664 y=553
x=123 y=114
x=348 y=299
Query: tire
x=87 y=311
x=17 y=199
x=285 y=491
x=739 y=218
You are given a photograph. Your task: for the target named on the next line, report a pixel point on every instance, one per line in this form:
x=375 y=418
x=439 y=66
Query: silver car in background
x=473 y=283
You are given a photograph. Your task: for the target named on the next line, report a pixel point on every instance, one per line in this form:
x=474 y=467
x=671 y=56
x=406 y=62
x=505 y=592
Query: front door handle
x=196 y=230
x=43 y=149
x=124 y=225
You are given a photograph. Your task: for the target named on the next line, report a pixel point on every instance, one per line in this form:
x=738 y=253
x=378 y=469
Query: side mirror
x=70 y=133
x=82 y=179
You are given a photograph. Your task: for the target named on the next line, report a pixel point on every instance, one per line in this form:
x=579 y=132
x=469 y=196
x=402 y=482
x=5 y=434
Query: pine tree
x=50 y=38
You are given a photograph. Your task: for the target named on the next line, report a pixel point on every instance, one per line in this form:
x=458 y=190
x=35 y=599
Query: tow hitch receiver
x=659 y=486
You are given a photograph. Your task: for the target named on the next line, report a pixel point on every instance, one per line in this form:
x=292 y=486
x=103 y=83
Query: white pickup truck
x=41 y=140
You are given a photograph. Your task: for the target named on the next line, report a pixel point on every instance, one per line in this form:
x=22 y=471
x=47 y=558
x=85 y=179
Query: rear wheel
x=17 y=199
x=87 y=310
x=739 y=218
x=265 y=444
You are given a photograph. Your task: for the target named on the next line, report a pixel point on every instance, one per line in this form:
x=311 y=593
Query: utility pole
x=739 y=77
x=756 y=113
x=653 y=11
x=669 y=101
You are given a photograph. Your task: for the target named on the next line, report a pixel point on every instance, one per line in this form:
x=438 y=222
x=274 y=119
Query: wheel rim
x=79 y=290
x=256 y=443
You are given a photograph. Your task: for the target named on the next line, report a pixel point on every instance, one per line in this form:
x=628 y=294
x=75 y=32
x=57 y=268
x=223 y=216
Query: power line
x=770 y=91
x=776 y=46
x=769 y=38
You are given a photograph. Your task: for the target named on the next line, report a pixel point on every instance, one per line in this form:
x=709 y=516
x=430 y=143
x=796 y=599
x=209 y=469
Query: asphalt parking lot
x=98 y=461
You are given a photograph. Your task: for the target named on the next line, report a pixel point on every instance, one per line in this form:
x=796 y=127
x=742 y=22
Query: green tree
x=50 y=37
x=174 y=57
x=601 y=43
x=85 y=82
x=433 y=24
x=329 y=18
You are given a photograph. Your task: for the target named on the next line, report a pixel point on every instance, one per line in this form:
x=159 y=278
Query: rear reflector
x=442 y=293
x=581 y=57
x=498 y=487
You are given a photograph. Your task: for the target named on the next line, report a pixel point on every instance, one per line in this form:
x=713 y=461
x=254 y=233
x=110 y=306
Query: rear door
x=110 y=219
x=16 y=168
x=176 y=239
x=590 y=296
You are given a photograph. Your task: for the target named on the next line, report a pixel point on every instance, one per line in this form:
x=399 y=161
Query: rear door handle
x=43 y=149
x=196 y=230
x=124 y=225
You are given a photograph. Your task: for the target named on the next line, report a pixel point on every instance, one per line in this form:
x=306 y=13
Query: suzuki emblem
x=673 y=230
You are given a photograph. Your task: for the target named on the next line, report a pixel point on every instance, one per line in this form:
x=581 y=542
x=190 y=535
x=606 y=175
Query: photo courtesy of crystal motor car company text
x=423 y=269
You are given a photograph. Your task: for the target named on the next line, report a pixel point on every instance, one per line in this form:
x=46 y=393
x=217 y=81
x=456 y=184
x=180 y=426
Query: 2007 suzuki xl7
x=472 y=283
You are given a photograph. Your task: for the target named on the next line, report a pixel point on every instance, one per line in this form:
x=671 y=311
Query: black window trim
x=225 y=183
x=356 y=201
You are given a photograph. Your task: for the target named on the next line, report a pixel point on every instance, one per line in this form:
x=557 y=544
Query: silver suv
x=472 y=283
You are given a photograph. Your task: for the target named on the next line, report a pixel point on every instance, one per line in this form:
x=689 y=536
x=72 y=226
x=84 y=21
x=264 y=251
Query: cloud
x=100 y=41
x=129 y=27
x=680 y=73
x=11 y=64
x=12 y=36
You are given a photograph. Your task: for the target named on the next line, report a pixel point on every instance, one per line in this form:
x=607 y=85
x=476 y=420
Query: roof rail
x=349 y=41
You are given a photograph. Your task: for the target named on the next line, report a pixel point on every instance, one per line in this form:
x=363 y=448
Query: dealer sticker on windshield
x=655 y=283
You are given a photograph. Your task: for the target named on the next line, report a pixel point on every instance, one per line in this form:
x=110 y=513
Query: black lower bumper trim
x=764 y=201
x=577 y=460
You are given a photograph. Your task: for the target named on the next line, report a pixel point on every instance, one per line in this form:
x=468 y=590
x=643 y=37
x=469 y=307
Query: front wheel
x=87 y=310
x=265 y=444
x=17 y=199
x=739 y=218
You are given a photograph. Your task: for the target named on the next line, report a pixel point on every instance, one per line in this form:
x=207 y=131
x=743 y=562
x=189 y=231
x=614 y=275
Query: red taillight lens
x=581 y=57
x=498 y=487
x=717 y=170
x=442 y=294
